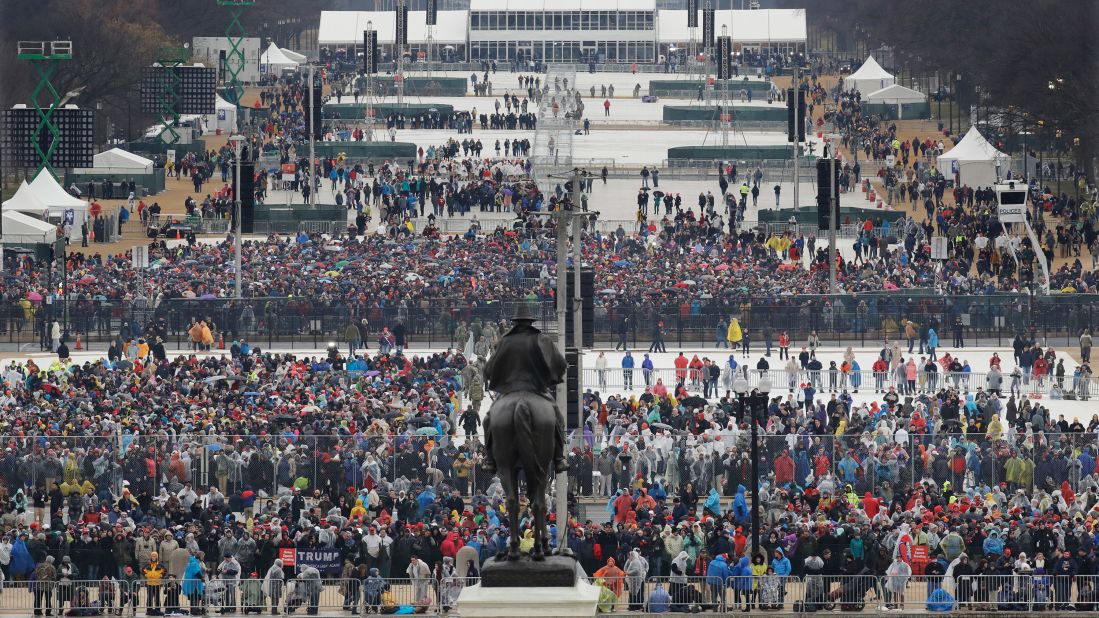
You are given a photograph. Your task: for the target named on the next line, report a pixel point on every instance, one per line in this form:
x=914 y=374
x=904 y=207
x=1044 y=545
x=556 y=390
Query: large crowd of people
x=213 y=465
x=181 y=481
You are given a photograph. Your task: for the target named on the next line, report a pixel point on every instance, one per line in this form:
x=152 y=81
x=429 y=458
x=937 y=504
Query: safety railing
x=826 y=380
x=1022 y=591
x=308 y=594
x=60 y=595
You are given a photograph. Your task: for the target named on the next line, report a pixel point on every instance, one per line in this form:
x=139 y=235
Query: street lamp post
x=748 y=405
x=237 y=140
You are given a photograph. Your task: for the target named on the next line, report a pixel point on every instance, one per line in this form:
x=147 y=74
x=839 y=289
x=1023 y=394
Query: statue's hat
x=523 y=313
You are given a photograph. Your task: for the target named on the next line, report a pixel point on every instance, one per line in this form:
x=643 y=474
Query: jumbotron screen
x=196 y=89
x=75 y=146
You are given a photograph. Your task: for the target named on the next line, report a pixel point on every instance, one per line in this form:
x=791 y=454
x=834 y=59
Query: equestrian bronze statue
x=524 y=429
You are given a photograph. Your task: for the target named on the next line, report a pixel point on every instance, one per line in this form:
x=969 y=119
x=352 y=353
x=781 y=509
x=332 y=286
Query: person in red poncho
x=784 y=468
x=623 y=504
x=871 y=505
x=680 y=363
x=451 y=544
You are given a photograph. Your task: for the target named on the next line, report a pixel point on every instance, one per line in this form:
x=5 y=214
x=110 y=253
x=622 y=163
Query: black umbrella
x=694 y=401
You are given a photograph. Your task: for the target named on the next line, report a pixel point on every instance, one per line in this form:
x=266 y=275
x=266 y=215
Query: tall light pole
x=748 y=406
x=309 y=131
x=797 y=132
x=238 y=244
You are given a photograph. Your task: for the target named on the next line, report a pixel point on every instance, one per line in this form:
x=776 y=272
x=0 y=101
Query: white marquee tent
x=224 y=118
x=895 y=94
x=118 y=161
x=21 y=229
x=45 y=199
x=869 y=78
x=293 y=55
x=274 y=60
x=974 y=160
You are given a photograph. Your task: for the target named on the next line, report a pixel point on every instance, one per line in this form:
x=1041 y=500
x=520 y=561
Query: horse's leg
x=513 y=523
x=538 y=506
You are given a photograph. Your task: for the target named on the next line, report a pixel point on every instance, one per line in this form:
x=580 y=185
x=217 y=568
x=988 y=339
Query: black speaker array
x=587 y=307
x=247 y=194
x=370 y=51
x=432 y=16
x=318 y=113
x=692 y=13
x=708 y=28
x=828 y=173
x=402 y=25
x=724 y=55
x=793 y=117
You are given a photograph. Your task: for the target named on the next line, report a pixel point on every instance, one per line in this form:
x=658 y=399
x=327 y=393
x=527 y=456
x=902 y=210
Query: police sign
x=1011 y=203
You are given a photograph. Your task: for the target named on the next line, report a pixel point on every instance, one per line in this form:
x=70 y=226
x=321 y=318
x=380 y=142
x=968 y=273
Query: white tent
x=974 y=160
x=895 y=94
x=273 y=61
x=293 y=55
x=118 y=161
x=23 y=229
x=224 y=118
x=869 y=78
x=25 y=200
x=44 y=198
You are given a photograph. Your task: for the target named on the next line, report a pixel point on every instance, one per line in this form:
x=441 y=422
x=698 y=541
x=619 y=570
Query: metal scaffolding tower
x=234 y=60
x=45 y=56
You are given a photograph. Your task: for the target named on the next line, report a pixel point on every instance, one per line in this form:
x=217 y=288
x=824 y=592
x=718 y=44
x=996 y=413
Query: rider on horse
x=526 y=360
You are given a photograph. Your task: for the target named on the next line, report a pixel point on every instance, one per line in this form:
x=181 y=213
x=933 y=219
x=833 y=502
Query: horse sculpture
x=520 y=421
x=523 y=428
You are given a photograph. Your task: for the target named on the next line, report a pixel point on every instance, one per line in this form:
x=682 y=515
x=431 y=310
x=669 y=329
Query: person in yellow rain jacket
x=154 y=577
x=734 y=334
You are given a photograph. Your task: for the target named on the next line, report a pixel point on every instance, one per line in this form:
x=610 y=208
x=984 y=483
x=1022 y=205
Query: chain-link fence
x=858 y=320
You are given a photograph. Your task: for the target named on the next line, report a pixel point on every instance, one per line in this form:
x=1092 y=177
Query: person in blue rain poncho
x=713 y=503
x=21 y=562
x=802 y=469
x=194 y=584
x=740 y=506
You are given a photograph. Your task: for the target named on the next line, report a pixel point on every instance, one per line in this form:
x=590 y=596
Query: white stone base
x=580 y=600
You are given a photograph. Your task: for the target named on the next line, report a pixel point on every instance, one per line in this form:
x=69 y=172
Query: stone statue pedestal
x=528 y=588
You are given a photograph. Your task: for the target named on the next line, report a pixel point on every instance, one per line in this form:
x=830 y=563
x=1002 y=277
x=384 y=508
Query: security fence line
x=824 y=381
x=849 y=319
x=1021 y=592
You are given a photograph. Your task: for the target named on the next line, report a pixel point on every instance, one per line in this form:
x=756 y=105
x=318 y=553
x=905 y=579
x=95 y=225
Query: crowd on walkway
x=206 y=467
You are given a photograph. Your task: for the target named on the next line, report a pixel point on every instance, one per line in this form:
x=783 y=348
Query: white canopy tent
x=224 y=118
x=45 y=199
x=974 y=160
x=25 y=200
x=869 y=78
x=274 y=60
x=22 y=229
x=747 y=27
x=895 y=94
x=293 y=55
x=117 y=161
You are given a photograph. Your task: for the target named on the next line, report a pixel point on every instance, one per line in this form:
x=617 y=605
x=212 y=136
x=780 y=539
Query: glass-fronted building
x=581 y=31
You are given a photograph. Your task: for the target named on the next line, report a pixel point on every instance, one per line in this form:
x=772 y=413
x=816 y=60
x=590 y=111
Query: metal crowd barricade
x=684 y=594
x=59 y=596
x=824 y=380
x=765 y=592
x=845 y=592
x=1022 y=592
x=350 y=595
